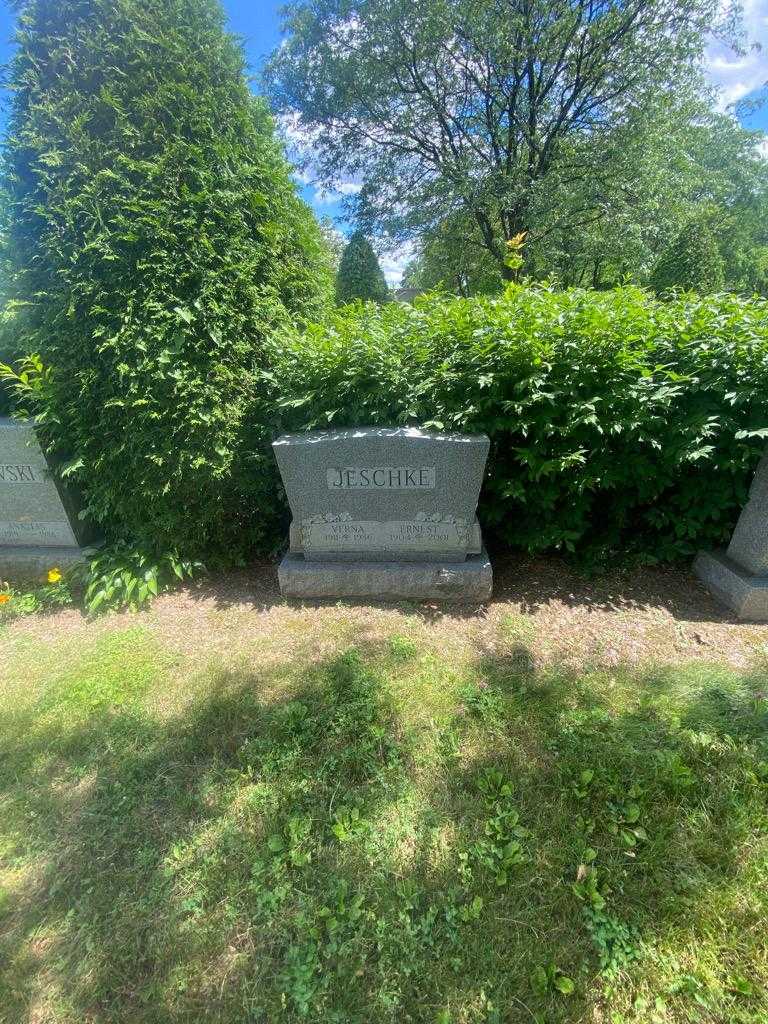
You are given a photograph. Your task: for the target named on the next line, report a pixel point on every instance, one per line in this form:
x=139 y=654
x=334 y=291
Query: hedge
x=620 y=425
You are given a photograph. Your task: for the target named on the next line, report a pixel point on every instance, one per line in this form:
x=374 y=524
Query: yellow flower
x=54 y=575
x=5 y=598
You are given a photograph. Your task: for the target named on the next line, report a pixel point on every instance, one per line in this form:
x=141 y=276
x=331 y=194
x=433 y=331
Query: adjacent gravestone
x=384 y=512
x=39 y=526
x=739 y=576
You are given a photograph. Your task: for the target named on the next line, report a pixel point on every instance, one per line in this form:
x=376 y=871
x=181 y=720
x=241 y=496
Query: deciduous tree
x=692 y=262
x=478 y=107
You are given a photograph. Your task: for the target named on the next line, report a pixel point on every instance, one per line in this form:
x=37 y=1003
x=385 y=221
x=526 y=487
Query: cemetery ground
x=232 y=808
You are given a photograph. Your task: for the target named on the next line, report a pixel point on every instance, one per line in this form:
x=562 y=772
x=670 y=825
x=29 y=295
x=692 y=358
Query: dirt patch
x=540 y=604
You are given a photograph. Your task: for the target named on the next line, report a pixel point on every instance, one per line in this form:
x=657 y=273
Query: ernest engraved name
x=392 y=478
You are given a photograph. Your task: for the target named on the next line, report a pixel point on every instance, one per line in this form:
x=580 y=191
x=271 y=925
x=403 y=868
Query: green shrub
x=129 y=577
x=618 y=423
x=9 y=349
x=155 y=242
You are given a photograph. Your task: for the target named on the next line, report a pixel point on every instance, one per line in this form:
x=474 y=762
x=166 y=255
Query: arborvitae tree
x=692 y=262
x=8 y=349
x=359 y=275
x=158 y=242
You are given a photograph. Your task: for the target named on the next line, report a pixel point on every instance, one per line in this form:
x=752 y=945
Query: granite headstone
x=738 y=576
x=386 y=512
x=39 y=525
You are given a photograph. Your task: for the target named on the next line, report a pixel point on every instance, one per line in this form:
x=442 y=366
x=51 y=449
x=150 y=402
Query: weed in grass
x=550 y=978
x=501 y=850
x=482 y=701
x=402 y=647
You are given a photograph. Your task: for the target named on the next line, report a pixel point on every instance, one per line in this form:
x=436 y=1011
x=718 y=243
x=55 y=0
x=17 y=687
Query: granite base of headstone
x=738 y=576
x=39 y=525
x=386 y=513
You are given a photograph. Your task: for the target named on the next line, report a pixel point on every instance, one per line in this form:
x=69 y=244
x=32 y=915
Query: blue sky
x=257 y=22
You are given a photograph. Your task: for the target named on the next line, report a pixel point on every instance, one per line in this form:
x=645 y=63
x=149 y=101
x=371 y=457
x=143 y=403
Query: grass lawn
x=231 y=809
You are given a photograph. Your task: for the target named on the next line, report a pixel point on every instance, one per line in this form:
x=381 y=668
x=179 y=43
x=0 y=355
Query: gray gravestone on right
x=739 y=576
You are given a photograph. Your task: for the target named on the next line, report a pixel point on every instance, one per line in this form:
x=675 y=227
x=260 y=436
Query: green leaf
x=540 y=981
x=741 y=985
x=184 y=314
x=97 y=600
x=564 y=985
x=631 y=812
x=761 y=432
x=70 y=468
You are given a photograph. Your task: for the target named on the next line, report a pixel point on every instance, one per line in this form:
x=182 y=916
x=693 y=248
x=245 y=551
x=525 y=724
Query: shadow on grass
x=306 y=856
x=531 y=582
x=534 y=582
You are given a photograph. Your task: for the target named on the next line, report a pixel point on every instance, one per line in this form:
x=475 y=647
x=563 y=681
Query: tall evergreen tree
x=156 y=242
x=359 y=275
x=692 y=261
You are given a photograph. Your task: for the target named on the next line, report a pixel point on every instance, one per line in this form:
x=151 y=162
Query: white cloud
x=348 y=188
x=326 y=196
x=394 y=263
x=299 y=143
x=295 y=131
x=736 y=74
